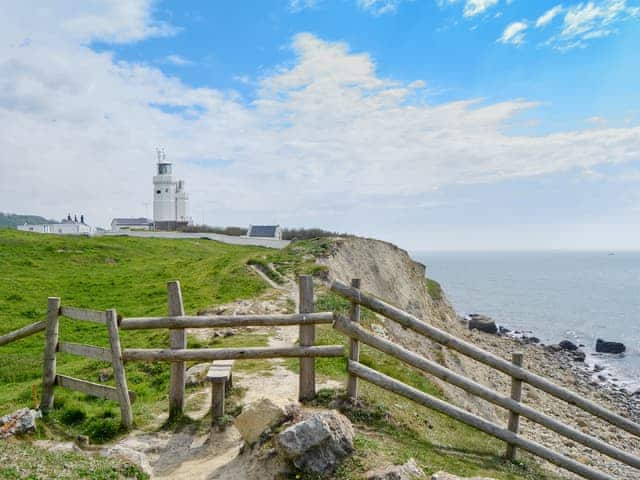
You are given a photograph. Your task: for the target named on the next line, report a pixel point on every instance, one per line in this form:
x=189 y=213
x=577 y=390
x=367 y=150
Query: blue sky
x=436 y=124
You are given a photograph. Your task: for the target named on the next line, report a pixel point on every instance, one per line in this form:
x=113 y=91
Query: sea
x=577 y=296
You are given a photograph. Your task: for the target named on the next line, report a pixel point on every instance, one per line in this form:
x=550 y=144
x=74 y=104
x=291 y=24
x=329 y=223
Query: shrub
x=73 y=416
x=101 y=430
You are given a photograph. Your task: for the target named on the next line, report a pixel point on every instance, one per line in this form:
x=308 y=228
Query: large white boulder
x=318 y=444
x=257 y=417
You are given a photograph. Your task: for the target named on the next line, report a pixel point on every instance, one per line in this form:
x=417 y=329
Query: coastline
x=599 y=377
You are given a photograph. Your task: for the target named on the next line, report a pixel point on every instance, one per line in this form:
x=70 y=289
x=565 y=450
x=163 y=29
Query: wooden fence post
x=307 y=387
x=516 y=394
x=119 y=374
x=354 y=346
x=177 y=340
x=50 y=347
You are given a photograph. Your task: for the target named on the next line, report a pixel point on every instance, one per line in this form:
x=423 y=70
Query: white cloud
x=325 y=133
x=587 y=21
x=546 y=18
x=514 y=33
x=379 y=7
x=298 y=5
x=177 y=60
x=596 y=120
x=472 y=7
x=475 y=7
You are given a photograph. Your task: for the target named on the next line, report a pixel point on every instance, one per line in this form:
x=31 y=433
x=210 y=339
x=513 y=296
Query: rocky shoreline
x=570 y=356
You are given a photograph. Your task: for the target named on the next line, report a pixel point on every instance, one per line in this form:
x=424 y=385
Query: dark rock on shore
x=567 y=345
x=482 y=323
x=603 y=346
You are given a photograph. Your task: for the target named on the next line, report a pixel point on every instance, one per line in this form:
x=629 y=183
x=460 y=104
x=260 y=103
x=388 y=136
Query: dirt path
x=194 y=454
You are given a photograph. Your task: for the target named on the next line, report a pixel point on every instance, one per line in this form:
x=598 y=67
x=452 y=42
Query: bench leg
x=217 y=402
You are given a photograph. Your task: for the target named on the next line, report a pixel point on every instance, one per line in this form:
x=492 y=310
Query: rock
x=197 y=374
x=567 y=345
x=609 y=347
x=482 y=323
x=448 y=476
x=408 y=471
x=105 y=375
x=318 y=444
x=579 y=355
x=57 y=447
x=553 y=348
x=19 y=422
x=129 y=455
x=257 y=417
x=503 y=330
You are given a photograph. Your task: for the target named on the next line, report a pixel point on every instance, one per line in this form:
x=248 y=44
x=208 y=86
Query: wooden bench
x=219 y=375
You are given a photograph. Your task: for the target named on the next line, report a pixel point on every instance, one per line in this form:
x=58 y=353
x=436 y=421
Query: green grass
x=36 y=463
x=105 y=272
x=434 y=289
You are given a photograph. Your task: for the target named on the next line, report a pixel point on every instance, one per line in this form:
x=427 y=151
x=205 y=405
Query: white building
x=66 y=227
x=128 y=224
x=265 y=231
x=169 y=198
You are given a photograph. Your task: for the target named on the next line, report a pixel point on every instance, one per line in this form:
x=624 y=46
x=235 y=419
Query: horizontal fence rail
x=354 y=331
x=97 y=353
x=84 y=314
x=23 y=332
x=481 y=424
x=90 y=388
x=409 y=321
x=205 y=354
x=216 y=321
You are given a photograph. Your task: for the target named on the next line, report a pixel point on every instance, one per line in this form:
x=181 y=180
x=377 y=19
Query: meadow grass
x=128 y=274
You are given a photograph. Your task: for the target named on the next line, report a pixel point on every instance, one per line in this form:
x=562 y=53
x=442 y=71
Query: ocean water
x=556 y=295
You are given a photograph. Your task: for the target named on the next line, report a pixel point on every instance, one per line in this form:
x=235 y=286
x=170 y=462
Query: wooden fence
x=351 y=328
x=177 y=352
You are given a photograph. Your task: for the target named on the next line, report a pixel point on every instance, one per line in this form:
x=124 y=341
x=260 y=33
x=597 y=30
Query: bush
x=101 y=430
x=73 y=416
x=308 y=233
x=434 y=289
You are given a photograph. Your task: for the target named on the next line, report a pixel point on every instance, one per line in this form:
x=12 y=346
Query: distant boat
x=611 y=253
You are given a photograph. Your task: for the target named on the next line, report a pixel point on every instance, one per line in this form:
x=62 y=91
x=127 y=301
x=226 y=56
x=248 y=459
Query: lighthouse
x=169 y=197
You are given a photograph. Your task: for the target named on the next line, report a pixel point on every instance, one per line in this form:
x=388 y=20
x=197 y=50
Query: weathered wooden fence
x=177 y=353
x=351 y=328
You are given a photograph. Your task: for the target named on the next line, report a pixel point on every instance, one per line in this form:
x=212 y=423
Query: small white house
x=65 y=227
x=265 y=231
x=126 y=224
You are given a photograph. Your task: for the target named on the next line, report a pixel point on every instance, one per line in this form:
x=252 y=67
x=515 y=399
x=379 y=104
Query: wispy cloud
x=546 y=18
x=299 y=5
x=471 y=7
x=589 y=21
x=514 y=33
x=379 y=7
x=177 y=60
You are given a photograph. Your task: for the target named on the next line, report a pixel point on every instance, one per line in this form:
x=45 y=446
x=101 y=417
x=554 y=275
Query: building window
x=158 y=192
x=166 y=190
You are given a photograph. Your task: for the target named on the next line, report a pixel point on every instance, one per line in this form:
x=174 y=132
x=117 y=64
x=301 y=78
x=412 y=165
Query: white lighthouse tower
x=169 y=197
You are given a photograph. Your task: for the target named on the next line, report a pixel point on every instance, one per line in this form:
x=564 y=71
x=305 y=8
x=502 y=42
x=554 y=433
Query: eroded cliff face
x=389 y=273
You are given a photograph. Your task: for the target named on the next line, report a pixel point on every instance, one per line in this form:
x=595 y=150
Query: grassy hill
x=11 y=220
x=124 y=273
x=130 y=274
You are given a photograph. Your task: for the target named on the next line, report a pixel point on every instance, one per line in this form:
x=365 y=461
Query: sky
x=434 y=124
